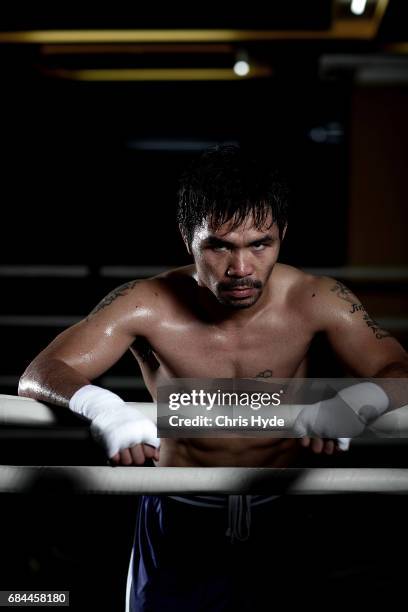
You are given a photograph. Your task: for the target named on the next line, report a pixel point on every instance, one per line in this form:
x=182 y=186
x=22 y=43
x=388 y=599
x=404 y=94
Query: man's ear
x=284 y=231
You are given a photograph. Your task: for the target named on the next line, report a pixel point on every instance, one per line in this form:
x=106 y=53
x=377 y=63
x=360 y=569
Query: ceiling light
x=241 y=68
x=358 y=6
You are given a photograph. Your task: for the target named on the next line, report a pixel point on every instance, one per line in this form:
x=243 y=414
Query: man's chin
x=237 y=303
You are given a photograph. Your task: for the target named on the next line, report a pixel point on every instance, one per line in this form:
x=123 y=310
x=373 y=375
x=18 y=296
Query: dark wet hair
x=228 y=183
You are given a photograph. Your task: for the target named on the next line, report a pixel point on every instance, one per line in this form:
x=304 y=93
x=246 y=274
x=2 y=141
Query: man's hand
x=346 y=414
x=128 y=437
x=136 y=455
x=321 y=445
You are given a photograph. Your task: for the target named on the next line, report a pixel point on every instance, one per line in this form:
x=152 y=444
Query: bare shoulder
x=359 y=340
x=176 y=275
x=175 y=285
x=306 y=287
x=333 y=293
x=141 y=298
x=327 y=301
x=131 y=294
x=297 y=284
x=317 y=297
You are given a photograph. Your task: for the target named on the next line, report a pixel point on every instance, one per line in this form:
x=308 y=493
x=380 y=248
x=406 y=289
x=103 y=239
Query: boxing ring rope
x=25 y=412
x=222 y=480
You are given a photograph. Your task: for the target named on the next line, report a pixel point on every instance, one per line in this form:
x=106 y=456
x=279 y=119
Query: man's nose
x=239 y=265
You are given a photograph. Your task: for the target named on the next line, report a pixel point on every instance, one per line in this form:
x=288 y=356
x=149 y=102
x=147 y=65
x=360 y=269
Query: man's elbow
x=28 y=382
x=394 y=369
x=24 y=388
x=35 y=377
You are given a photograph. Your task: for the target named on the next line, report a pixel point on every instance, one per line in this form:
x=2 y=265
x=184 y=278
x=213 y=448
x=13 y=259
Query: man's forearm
x=121 y=429
x=396 y=391
x=51 y=380
x=396 y=369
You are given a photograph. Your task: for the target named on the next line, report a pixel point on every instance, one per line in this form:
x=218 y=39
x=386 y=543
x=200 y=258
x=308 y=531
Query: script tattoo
x=264 y=374
x=345 y=294
x=111 y=297
x=375 y=328
x=357 y=308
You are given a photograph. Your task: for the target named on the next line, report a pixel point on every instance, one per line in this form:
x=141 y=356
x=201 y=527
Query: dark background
x=89 y=175
x=90 y=168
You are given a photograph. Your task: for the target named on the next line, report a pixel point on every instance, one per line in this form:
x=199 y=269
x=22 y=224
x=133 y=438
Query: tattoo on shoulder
x=111 y=297
x=345 y=294
x=264 y=374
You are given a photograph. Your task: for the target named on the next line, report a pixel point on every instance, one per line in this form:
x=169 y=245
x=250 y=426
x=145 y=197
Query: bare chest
x=263 y=351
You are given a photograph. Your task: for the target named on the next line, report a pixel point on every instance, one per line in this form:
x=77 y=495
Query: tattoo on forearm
x=264 y=374
x=345 y=294
x=111 y=297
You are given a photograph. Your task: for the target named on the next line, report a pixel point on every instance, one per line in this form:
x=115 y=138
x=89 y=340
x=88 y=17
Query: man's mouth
x=240 y=292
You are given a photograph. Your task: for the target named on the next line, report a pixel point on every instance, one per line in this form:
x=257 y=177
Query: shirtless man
x=234 y=313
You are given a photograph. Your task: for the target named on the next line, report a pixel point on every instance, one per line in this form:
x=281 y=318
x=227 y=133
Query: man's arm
x=365 y=348
x=63 y=371
x=86 y=350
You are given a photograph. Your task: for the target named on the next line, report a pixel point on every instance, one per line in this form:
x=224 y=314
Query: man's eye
x=258 y=247
x=220 y=248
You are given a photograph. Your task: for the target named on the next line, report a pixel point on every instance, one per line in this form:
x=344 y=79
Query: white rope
x=22 y=411
x=168 y=480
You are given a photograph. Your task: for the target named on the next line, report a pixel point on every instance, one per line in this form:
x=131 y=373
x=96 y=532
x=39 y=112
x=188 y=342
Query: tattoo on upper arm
x=345 y=294
x=111 y=297
x=357 y=307
x=375 y=328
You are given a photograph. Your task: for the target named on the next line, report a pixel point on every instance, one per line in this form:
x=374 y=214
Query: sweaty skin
x=235 y=313
x=185 y=344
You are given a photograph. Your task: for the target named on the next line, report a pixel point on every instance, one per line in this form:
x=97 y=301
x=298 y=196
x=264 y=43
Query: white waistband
x=220 y=501
x=239 y=509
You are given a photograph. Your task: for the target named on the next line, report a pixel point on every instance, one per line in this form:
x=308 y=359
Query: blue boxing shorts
x=210 y=553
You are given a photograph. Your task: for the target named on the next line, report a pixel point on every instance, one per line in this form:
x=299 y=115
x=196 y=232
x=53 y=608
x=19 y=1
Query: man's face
x=235 y=264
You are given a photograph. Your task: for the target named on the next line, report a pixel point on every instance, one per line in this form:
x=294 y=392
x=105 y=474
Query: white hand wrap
x=343 y=443
x=394 y=424
x=347 y=413
x=113 y=424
